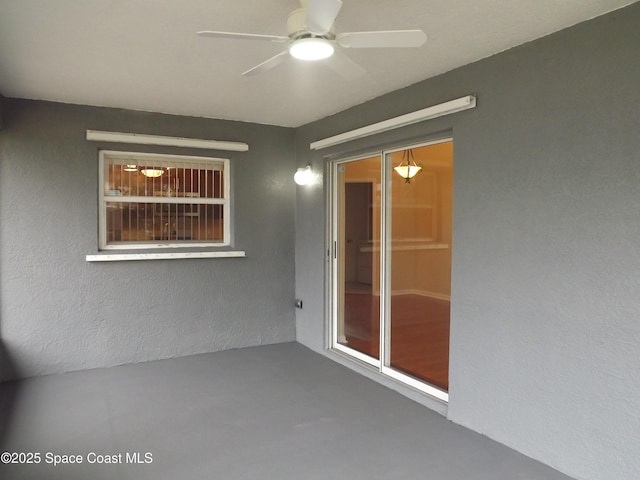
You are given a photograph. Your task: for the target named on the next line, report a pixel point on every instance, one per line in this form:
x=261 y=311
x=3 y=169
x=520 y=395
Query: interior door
x=358 y=200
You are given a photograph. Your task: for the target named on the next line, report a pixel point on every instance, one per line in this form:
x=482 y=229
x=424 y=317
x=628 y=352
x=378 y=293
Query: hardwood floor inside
x=419 y=333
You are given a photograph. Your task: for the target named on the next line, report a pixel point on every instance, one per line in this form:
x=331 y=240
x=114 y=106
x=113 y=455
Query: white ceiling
x=145 y=55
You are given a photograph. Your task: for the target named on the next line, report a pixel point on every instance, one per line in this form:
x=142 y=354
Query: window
x=159 y=201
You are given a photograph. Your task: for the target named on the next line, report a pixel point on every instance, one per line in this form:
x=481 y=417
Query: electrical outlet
x=298 y=303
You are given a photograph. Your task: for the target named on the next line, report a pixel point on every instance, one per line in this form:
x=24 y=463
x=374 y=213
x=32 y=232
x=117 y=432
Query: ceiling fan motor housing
x=297 y=26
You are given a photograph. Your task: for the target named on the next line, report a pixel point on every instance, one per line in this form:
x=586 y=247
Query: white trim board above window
x=140 y=139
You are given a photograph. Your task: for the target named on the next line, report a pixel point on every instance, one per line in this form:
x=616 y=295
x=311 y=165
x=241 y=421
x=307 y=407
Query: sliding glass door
x=391 y=275
x=358 y=213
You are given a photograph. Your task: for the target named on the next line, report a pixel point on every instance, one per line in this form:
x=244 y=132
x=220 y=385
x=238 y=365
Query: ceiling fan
x=311 y=36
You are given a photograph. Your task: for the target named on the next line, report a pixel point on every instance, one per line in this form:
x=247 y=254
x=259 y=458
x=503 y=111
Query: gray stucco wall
x=60 y=313
x=545 y=329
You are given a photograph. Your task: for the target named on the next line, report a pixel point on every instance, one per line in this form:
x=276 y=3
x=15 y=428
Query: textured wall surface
x=1 y=111
x=545 y=336
x=60 y=313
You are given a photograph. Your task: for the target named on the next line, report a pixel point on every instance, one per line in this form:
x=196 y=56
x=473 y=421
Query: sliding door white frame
x=385 y=269
x=336 y=302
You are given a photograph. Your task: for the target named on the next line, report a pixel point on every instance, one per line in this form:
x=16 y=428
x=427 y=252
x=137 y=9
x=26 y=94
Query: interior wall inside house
x=545 y=338
x=421 y=213
x=61 y=313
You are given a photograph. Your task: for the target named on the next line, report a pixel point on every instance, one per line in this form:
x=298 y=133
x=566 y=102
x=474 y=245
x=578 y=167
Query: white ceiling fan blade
x=321 y=14
x=242 y=36
x=382 y=39
x=344 y=66
x=267 y=64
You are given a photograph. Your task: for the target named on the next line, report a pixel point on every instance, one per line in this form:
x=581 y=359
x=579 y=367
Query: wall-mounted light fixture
x=131 y=168
x=303 y=176
x=152 y=172
x=407 y=168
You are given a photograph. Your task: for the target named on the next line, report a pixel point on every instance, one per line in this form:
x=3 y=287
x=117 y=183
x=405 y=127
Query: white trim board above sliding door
x=439 y=110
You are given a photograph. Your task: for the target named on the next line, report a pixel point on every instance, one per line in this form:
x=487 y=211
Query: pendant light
x=407 y=168
x=152 y=172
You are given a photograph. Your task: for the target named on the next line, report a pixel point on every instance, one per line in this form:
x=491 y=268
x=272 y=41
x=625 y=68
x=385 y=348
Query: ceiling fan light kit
x=311 y=49
x=311 y=36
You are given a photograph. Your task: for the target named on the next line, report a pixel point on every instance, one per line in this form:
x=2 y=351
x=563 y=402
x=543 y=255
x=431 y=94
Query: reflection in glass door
x=392 y=263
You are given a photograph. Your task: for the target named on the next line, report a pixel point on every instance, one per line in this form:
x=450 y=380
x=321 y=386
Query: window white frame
x=103 y=199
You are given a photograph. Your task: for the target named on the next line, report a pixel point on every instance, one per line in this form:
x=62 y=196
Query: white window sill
x=117 y=257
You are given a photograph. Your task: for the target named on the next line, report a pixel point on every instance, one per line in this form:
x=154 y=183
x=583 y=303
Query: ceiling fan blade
x=242 y=36
x=321 y=14
x=382 y=39
x=267 y=64
x=344 y=66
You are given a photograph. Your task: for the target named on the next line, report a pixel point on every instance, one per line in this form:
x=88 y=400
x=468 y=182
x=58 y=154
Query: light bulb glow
x=152 y=172
x=303 y=176
x=407 y=171
x=311 y=49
